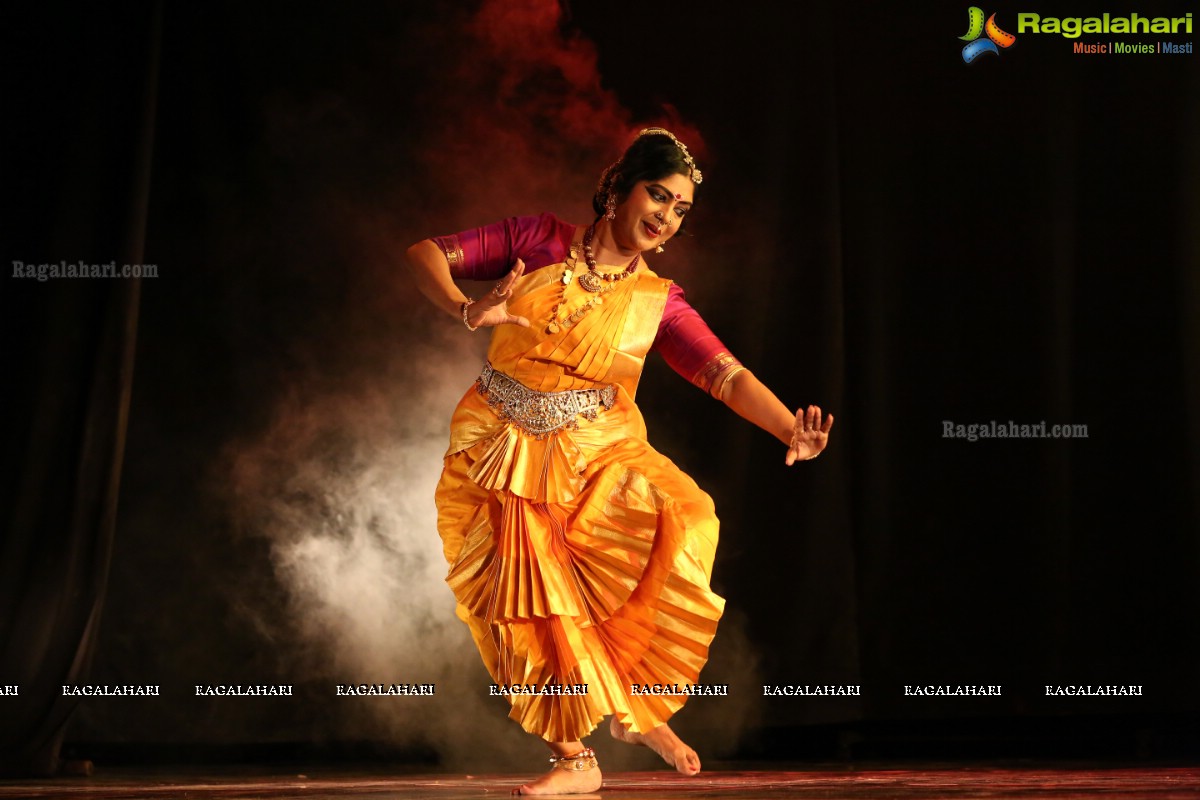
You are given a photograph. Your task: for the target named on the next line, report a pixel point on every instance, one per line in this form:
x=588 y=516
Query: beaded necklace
x=594 y=281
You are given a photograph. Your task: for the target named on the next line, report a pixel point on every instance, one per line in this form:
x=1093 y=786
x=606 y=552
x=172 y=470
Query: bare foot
x=663 y=741
x=576 y=774
x=562 y=781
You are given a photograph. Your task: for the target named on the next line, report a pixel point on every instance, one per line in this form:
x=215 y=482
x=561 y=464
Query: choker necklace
x=593 y=279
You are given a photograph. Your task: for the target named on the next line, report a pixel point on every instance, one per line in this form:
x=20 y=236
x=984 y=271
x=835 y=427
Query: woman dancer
x=580 y=556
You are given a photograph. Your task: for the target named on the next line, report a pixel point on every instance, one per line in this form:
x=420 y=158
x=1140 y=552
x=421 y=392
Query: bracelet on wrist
x=466 y=305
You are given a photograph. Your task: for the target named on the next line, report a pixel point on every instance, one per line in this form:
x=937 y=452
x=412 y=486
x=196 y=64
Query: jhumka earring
x=659 y=249
x=610 y=207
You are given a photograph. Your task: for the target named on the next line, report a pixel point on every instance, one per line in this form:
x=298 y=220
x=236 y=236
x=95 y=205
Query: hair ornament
x=687 y=157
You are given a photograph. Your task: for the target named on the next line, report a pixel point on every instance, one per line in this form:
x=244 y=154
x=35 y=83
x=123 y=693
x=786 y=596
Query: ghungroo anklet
x=582 y=761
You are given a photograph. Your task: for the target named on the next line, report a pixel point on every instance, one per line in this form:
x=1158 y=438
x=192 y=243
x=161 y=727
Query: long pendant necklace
x=598 y=283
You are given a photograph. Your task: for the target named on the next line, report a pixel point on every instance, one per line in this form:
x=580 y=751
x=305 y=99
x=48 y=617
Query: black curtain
x=80 y=88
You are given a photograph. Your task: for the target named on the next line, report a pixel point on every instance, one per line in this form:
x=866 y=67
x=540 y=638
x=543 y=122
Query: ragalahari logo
x=976 y=27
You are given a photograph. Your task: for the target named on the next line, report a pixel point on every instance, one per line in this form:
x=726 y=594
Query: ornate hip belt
x=541 y=413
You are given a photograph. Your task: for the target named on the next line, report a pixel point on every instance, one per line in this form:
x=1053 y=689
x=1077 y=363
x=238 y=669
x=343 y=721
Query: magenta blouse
x=684 y=340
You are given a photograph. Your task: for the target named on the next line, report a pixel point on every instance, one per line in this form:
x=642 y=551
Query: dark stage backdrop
x=913 y=242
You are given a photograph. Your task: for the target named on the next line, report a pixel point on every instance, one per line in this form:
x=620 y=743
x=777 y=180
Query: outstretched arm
x=805 y=433
x=694 y=351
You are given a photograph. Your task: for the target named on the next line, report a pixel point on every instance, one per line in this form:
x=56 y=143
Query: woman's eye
x=658 y=197
x=679 y=212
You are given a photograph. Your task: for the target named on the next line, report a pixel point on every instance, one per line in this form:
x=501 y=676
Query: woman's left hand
x=810 y=434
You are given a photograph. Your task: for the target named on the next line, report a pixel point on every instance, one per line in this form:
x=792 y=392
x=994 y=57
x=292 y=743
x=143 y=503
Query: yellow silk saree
x=582 y=556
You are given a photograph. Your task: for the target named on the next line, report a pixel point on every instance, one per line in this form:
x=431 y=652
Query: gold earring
x=610 y=207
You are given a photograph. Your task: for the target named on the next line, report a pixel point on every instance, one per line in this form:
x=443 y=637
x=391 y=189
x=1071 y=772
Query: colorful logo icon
x=976 y=27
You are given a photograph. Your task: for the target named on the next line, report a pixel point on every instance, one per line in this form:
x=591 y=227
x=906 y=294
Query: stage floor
x=822 y=781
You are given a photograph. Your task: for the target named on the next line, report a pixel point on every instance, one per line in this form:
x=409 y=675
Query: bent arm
x=751 y=400
x=431 y=270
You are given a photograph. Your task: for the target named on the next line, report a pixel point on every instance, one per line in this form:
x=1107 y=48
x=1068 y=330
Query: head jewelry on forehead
x=687 y=157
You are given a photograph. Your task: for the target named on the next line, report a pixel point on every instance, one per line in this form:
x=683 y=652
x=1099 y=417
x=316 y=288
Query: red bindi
x=678 y=197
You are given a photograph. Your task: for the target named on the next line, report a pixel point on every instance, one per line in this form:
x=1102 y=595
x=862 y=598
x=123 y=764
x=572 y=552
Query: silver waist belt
x=541 y=413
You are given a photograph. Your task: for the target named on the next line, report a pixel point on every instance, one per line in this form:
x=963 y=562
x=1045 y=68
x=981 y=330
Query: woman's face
x=652 y=212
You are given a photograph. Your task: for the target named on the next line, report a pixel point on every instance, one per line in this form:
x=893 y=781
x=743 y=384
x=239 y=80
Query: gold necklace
x=594 y=279
x=558 y=323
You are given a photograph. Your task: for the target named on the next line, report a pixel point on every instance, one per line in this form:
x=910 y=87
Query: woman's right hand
x=492 y=308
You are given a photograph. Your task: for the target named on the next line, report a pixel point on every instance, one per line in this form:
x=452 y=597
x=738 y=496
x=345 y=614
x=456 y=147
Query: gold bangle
x=467 y=304
x=733 y=373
